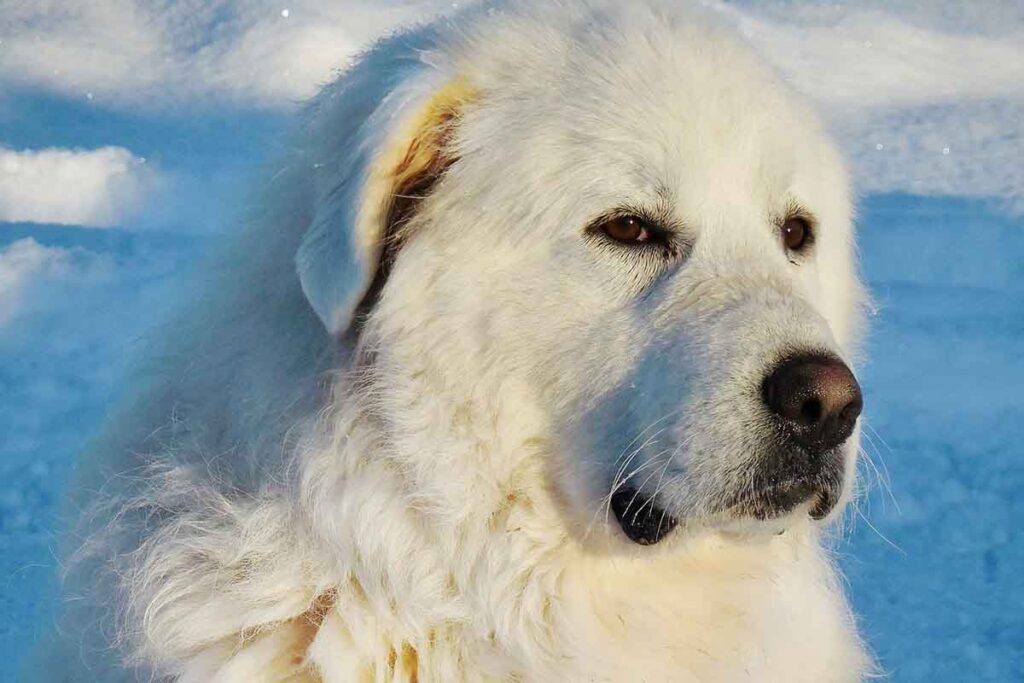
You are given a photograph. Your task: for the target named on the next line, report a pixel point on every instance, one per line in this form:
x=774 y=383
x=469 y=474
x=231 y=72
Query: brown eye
x=796 y=233
x=628 y=229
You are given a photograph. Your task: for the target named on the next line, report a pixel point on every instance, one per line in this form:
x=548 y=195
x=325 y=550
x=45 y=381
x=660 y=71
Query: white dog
x=528 y=369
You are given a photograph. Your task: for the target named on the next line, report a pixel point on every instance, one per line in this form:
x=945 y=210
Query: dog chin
x=746 y=527
x=746 y=522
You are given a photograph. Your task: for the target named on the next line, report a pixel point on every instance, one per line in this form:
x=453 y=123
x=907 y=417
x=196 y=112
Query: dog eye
x=796 y=233
x=628 y=229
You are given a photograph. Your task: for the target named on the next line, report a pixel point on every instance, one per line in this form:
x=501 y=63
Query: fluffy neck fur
x=437 y=551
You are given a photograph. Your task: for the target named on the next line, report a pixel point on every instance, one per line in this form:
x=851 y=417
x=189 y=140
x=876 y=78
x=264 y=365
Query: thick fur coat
x=381 y=441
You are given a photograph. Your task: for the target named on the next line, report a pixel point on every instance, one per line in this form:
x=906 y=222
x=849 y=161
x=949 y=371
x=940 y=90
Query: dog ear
x=387 y=163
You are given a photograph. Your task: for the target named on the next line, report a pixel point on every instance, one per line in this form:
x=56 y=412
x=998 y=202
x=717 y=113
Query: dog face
x=619 y=217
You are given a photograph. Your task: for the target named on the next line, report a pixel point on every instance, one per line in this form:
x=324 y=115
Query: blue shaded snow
x=941 y=596
x=934 y=565
x=62 y=356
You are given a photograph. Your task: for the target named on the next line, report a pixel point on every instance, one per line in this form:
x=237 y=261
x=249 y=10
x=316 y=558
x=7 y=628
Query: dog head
x=615 y=213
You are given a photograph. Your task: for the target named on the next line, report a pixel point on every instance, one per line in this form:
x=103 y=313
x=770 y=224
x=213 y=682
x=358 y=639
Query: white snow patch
x=149 y=53
x=862 y=58
x=80 y=187
x=970 y=149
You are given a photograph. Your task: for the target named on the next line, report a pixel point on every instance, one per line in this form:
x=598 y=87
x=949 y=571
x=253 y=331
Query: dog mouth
x=781 y=499
x=645 y=522
x=640 y=516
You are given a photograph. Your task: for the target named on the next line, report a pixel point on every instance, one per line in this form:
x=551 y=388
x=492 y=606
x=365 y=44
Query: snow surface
x=99 y=187
x=926 y=97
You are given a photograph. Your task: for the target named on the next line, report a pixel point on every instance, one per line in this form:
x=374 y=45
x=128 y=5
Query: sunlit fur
x=286 y=495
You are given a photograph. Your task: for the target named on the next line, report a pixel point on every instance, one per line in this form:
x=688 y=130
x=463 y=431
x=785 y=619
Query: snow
x=74 y=302
x=147 y=53
x=99 y=187
x=927 y=99
x=938 y=585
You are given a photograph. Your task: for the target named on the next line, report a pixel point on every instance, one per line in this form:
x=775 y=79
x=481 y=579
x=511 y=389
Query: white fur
x=277 y=501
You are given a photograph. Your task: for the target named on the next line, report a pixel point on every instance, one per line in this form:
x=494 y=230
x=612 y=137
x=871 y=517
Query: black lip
x=780 y=499
x=640 y=517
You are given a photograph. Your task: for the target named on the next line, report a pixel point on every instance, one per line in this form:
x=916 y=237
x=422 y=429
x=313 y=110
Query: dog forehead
x=639 y=99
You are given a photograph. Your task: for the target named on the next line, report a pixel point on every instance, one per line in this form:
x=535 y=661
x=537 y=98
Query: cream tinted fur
x=276 y=504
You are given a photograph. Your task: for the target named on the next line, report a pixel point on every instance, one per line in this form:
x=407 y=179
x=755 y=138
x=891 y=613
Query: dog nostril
x=817 y=399
x=810 y=411
x=852 y=410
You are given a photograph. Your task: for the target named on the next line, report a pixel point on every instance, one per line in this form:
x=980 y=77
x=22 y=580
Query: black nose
x=817 y=398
